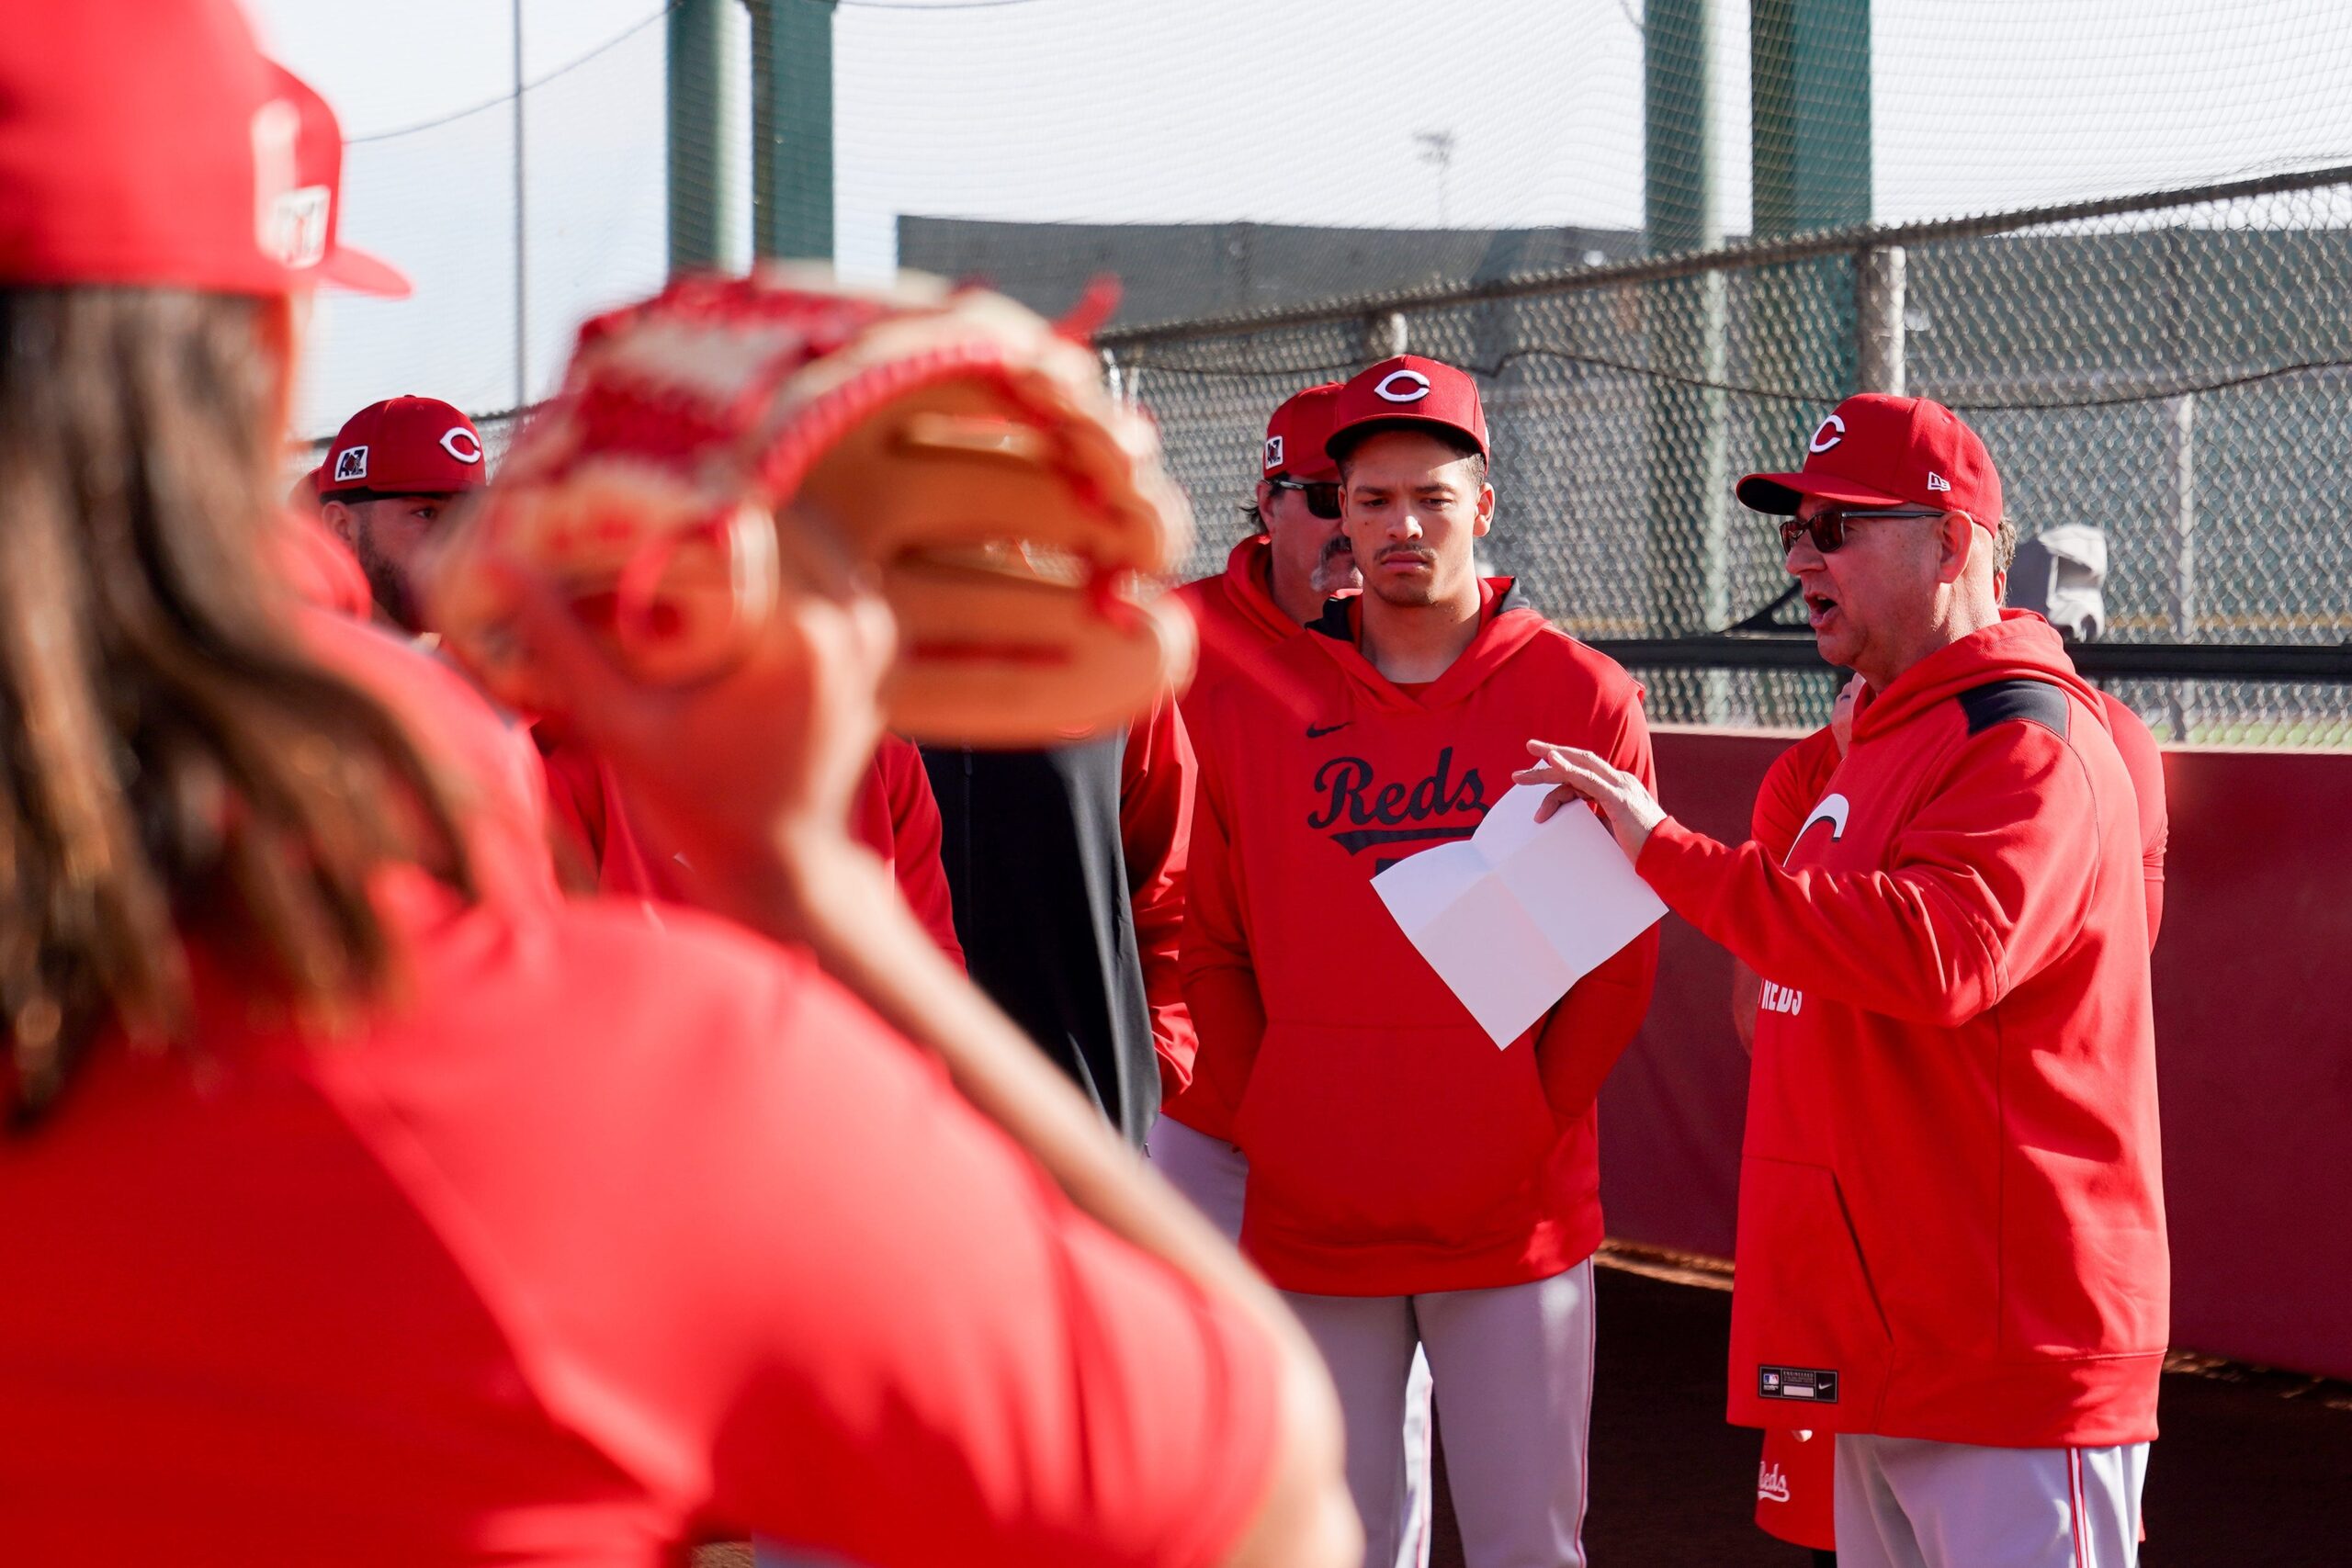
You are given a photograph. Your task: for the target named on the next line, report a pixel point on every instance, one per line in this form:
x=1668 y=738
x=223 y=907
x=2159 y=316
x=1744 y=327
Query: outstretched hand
x=1575 y=774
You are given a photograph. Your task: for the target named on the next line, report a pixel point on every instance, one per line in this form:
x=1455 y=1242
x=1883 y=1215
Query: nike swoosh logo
x=1317 y=731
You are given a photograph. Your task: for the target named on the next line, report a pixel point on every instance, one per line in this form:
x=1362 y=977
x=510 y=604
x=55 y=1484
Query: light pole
x=1437 y=147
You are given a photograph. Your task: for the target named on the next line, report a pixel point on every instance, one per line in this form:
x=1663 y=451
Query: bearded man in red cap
x=1951 y=1230
x=394 y=468
x=1410 y=1185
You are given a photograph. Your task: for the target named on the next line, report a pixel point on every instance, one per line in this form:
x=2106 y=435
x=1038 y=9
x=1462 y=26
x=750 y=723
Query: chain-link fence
x=2176 y=369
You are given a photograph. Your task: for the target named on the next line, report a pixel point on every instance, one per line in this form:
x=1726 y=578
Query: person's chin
x=1413 y=591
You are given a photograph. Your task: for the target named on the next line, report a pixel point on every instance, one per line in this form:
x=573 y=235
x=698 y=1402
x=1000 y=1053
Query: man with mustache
x=1409 y=1184
x=1274 y=581
x=1951 y=1227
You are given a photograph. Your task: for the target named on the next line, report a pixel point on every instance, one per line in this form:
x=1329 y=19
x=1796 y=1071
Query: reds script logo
x=1770 y=1483
x=1832 y=431
x=1394 y=812
x=1402 y=387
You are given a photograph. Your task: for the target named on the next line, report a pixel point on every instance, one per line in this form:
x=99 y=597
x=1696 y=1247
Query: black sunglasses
x=1828 y=526
x=1323 y=499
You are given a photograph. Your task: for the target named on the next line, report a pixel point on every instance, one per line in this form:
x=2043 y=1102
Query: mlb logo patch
x=351 y=465
x=1273 y=453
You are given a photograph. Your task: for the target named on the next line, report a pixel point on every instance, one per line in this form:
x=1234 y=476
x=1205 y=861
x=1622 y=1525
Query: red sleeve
x=1155 y=818
x=1602 y=1014
x=1070 y=1401
x=1791 y=788
x=2145 y=762
x=1220 y=977
x=898 y=818
x=1984 y=885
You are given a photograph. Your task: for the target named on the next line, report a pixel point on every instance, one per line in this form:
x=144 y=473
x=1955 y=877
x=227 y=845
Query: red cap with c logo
x=404 y=447
x=1880 y=450
x=1409 y=390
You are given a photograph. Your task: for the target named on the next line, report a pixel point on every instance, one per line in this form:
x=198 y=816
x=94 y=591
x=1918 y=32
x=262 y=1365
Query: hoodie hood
x=2020 y=645
x=1507 y=622
x=1249 y=583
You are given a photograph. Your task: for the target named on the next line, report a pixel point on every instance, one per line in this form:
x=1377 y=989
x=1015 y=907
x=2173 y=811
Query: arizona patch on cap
x=1877 y=450
x=1409 y=390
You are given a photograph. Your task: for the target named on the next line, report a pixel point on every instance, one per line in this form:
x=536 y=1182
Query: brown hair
x=173 y=761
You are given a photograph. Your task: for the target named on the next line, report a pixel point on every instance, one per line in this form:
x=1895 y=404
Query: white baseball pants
x=1512 y=1375
x=1213 y=1175
x=1906 y=1503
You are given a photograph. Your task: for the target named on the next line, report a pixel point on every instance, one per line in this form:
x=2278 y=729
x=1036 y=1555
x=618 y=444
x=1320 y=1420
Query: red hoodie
x=1800 y=775
x=893 y=814
x=1392 y=1148
x=1240 y=625
x=1950 y=1210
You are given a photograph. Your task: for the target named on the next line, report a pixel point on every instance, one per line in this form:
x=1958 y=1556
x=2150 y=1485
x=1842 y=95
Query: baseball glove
x=718 y=446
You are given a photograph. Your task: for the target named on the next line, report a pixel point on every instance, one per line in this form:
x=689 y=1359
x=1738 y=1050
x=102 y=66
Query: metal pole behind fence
x=706 y=70
x=1878 y=320
x=2180 y=464
x=1685 y=322
x=792 y=128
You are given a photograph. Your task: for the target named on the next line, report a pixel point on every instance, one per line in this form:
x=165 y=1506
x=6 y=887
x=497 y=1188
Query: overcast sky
x=1172 y=111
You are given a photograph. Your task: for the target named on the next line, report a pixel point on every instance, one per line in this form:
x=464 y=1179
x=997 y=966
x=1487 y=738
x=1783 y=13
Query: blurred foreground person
x=355 y=1217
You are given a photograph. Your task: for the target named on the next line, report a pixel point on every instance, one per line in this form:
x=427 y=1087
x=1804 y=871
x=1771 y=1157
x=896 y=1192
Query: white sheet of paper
x=1520 y=912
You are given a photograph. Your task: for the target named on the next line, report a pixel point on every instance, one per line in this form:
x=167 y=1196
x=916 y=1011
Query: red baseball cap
x=309 y=218
x=1295 y=434
x=1411 y=390
x=142 y=142
x=404 y=447
x=1877 y=450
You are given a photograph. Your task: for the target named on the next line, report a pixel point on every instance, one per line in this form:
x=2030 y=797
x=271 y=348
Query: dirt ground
x=2254 y=1469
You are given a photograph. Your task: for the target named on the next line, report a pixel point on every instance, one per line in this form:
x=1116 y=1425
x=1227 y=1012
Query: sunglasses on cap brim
x=1323 y=499
x=1828 y=526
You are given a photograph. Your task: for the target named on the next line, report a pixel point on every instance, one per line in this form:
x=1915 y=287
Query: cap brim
x=1781 y=494
x=1347 y=435
x=363 y=274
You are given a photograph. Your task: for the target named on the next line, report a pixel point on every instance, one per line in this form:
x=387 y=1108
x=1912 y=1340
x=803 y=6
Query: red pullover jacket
x=1392 y=1148
x=1951 y=1209
x=893 y=814
x=1800 y=775
x=1240 y=625
x=1239 y=622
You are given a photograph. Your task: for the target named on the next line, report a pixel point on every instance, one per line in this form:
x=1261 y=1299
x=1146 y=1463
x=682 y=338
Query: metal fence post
x=1685 y=322
x=2180 y=464
x=1384 y=336
x=706 y=71
x=792 y=128
x=1878 y=320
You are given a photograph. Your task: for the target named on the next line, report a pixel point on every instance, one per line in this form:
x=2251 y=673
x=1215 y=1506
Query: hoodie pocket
x=1427 y=1136
x=1803 y=1299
